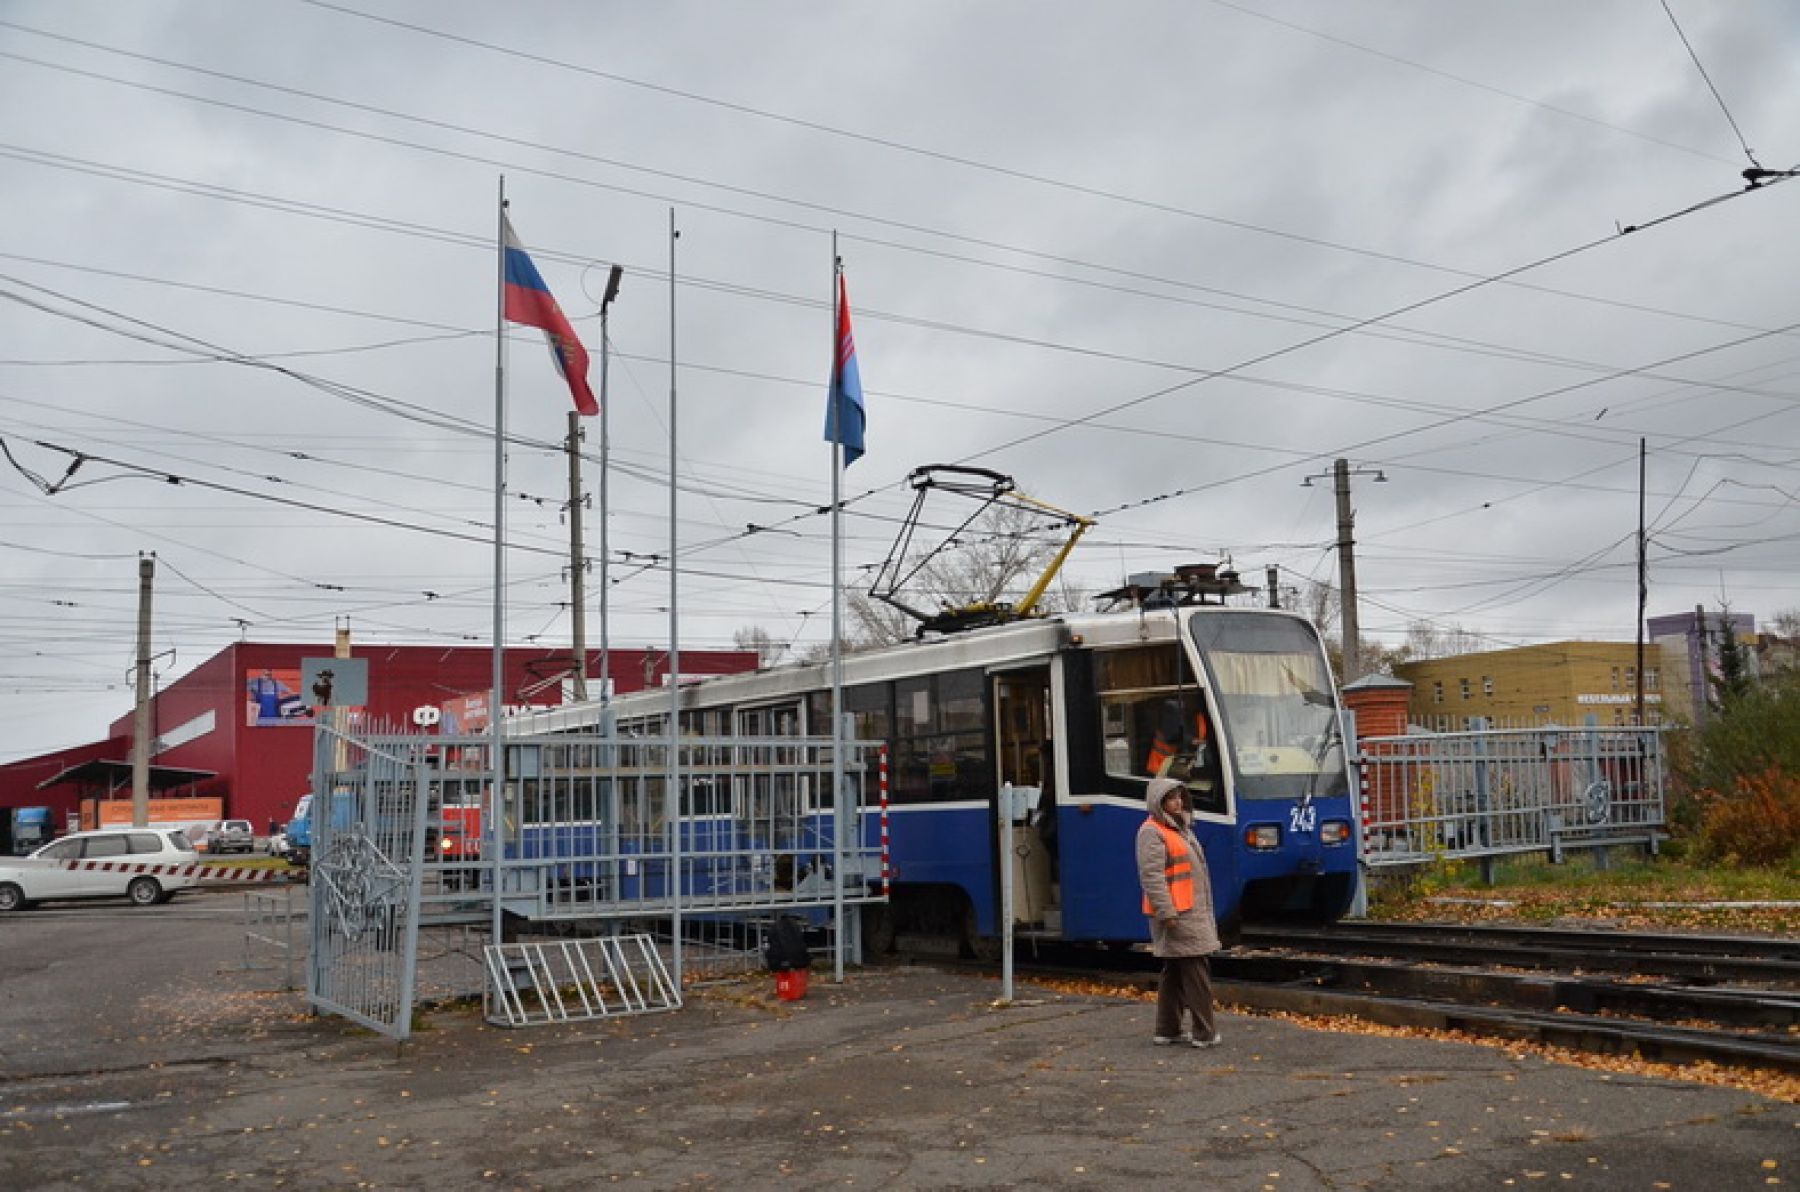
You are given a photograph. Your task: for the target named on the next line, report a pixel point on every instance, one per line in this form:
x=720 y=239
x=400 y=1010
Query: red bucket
x=790 y=986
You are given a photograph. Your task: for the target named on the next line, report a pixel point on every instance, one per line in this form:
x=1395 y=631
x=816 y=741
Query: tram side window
x=1150 y=710
x=1135 y=689
x=939 y=747
x=871 y=719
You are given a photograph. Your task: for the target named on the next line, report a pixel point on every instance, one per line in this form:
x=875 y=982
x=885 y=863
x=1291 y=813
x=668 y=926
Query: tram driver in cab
x=1176 y=734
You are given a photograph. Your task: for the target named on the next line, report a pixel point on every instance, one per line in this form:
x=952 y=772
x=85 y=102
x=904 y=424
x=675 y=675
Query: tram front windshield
x=1274 y=692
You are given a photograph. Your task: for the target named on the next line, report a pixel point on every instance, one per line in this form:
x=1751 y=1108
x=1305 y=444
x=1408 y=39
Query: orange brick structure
x=1380 y=703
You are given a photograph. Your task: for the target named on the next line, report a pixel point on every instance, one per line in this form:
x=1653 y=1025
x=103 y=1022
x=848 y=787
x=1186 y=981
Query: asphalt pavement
x=136 y=1051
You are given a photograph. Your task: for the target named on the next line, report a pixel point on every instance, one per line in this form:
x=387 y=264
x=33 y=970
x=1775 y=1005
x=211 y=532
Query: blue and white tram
x=1071 y=716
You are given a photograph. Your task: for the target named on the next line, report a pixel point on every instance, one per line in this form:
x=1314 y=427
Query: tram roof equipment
x=991 y=489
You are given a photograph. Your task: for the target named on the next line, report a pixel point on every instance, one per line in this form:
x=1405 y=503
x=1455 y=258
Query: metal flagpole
x=605 y=509
x=838 y=807
x=577 y=563
x=673 y=800
x=496 y=797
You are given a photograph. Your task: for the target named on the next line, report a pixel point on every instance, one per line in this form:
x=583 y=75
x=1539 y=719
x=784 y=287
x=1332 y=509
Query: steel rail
x=1698 y=957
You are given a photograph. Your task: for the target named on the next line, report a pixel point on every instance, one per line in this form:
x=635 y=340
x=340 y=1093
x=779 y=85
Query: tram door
x=1025 y=762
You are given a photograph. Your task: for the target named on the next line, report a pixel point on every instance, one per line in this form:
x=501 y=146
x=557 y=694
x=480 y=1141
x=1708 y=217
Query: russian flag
x=529 y=301
x=844 y=413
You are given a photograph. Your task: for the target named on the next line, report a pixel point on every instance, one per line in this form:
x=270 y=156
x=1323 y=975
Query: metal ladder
x=535 y=984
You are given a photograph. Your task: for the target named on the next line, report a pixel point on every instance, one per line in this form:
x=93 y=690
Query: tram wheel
x=975 y=945
x=880 y=923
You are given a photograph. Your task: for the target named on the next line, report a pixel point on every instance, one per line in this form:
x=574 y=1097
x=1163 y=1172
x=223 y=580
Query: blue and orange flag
x=844 y=414
x=529 y=301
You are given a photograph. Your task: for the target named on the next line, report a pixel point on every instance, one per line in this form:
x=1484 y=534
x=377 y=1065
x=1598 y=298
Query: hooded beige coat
x=1189 y=933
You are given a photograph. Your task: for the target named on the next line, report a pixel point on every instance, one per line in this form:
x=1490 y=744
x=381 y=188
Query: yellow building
x=1558 y=683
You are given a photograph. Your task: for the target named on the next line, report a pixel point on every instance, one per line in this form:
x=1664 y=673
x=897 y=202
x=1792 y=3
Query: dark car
x=231 y=836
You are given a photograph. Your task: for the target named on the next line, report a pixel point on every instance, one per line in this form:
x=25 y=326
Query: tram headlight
x=1334 y=832
x=1263 y=838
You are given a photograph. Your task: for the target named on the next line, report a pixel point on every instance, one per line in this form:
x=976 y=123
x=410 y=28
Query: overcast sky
x=1159 y=262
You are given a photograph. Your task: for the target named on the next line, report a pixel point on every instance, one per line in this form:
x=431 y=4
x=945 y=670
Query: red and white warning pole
x=1363 y=807
x=887 y=867
x=204 y=873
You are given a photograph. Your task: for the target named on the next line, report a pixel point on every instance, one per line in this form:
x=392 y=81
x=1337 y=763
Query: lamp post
x=606 y=300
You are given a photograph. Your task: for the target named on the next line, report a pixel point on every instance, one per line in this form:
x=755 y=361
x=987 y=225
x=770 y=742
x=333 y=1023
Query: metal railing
x=589 y=836
x=1484 y=794
x=270 y=920
x=589 y=829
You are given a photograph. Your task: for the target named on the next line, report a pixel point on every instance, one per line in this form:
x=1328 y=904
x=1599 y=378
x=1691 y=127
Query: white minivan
x=145 y=865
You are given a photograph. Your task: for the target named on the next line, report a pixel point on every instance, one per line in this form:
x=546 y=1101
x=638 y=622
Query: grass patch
x=1635 y=892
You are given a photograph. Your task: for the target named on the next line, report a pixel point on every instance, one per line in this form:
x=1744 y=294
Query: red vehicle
x=459 y=838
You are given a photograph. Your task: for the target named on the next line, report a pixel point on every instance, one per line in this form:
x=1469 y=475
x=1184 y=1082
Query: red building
x=239 y=727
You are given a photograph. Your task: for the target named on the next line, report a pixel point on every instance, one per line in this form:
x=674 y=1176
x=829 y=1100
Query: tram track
x=1699 y=958
x=1556 y=988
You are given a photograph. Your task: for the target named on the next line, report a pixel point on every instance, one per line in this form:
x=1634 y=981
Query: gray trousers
x=1186 y=984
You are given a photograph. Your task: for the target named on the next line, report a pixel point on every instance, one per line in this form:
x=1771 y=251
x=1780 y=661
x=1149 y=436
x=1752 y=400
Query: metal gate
x=1482 y=794
x=369 y=816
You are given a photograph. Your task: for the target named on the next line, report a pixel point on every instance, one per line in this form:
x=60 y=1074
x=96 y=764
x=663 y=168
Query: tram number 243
x=1303 y=819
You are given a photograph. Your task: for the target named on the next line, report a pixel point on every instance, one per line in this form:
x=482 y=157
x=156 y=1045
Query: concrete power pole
x=1341 y=471
x=577 y=561
x=140 y=731
x=1346 y=519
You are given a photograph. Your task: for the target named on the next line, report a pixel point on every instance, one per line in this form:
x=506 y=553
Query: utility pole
x=1703 y=686
x=1270 y=575
x=1643 y=586
x=140 y=732
x=577 y=563
x=1341 y=471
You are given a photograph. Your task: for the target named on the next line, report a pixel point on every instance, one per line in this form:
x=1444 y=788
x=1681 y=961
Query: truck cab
x=299 y=833
x=32 y=828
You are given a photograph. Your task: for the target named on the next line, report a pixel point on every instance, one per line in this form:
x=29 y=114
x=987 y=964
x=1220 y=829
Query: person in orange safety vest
x=1167 y=742
x=1178 y=901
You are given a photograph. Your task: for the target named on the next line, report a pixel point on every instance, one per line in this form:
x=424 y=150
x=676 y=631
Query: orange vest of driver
x=1178 y=870
x=1162 y=750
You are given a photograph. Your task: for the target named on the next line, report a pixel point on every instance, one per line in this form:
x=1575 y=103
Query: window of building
x=1487 y=686
x=1615 y=678
x=1437 y=691
x=1631 y=678
x=1651 y=678
x=1467 y=689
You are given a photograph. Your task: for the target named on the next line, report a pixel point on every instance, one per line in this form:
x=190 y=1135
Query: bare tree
x=755 y=637
x=1426 y=640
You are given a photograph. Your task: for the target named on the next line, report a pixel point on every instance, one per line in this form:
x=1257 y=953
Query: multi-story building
x=1557 y=683
x=1689 y=644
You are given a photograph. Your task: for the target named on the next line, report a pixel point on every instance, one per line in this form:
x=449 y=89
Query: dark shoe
x=1172 y=1040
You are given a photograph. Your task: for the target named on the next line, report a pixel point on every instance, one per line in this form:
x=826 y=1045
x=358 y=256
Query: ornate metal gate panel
x=371 y=799
x=1449 y=796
